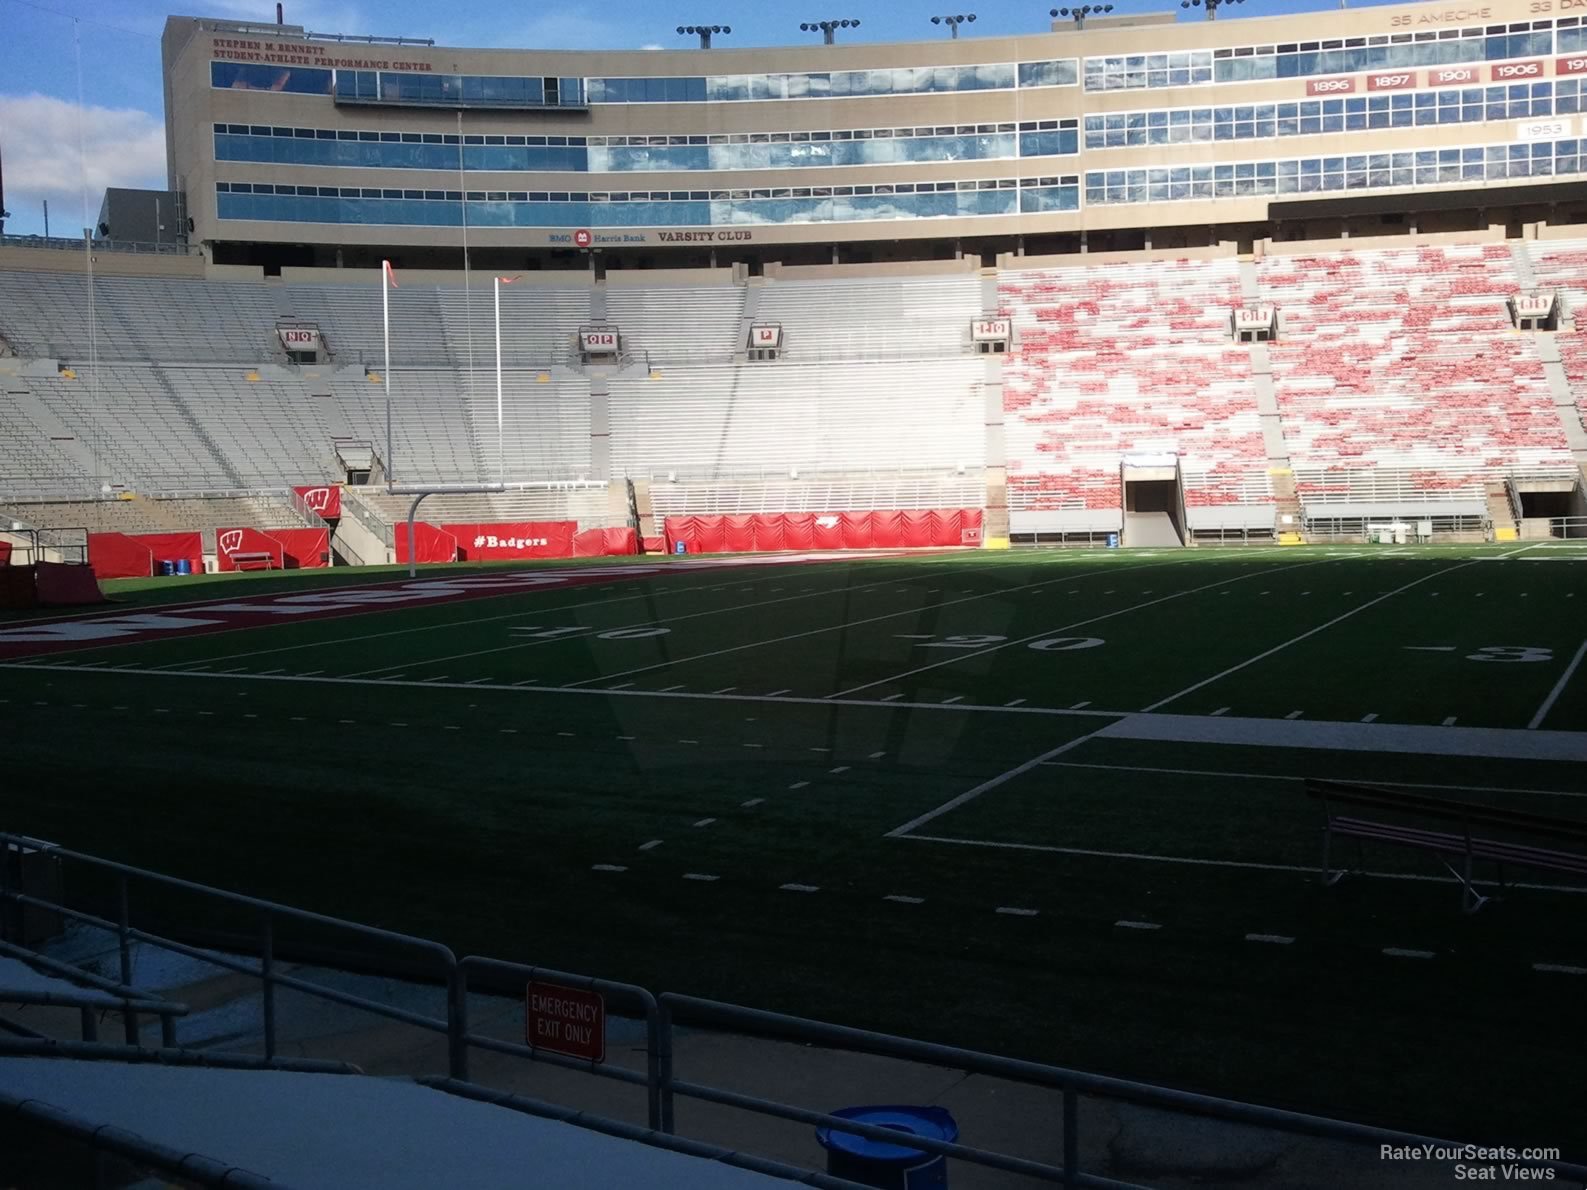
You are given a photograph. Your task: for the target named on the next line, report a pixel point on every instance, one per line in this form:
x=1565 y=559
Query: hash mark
x=1277 y=939
x=1400 y=953
x=804 y=888
x=892 y=698
x=798 y=785
x=754 y=801
x=1294 y=715
x=1138 y=925
x=705 y=822
x=1559 y=969
x=842 y=768
x=648 y=846
x=1011 y=911
x=1014 y=702
x=699 y=876
x=876 y=755
x=1080 y=706
x=607 y=868
x=904 y=900
x=1450 y=721
x=1369 y=718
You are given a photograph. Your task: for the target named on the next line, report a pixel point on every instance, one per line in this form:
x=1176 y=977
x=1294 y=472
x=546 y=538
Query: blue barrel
x=167 y=568
x=884 y=1165
x=184 y=566
x=680 y=547
x=1113 y=541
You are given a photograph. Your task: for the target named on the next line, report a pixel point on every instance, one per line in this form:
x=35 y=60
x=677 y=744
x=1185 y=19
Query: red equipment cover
x=325 y=500
x=58 y=585
x=605 y=543
x=5 y=553
x=305 y=549
x=172 y=547
x=116 y=555
x=231 y=542
x=513 y=540
x=16 y=588
x=653 y=545
x=430 y=543
x=889 y=529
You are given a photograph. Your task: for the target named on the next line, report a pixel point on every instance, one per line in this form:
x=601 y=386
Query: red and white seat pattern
x=1405 y=360
x=1560 y=266
x=1111 y=360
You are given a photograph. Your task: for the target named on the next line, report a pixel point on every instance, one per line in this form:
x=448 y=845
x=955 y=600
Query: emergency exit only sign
x=565 y=1021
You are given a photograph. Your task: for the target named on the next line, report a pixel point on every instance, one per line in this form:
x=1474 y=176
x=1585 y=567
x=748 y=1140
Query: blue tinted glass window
x=289 y=80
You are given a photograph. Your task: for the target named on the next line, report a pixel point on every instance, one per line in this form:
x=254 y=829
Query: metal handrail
x=1070 y=1082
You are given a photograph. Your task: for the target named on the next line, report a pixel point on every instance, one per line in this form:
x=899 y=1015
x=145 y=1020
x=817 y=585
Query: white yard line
x=986 y=786
x=1249 y=865
x=1307 y=634
x=1025 y=640
x=843 y=627
x=706 y=614
x=1559 y=688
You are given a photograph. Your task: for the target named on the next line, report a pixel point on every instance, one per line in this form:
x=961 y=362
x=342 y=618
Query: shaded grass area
x=478 y=820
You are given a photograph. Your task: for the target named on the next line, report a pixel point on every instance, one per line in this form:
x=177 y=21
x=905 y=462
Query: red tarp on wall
x=430 y=544
x=499 y=541
x=907 y=529
x=231 y=542
x=325 y=500
x=58 y=585
x=653 y=545
x=5 y=553
x=305 y=549
x=605 y=543
x=173 y=547
x=116 y=555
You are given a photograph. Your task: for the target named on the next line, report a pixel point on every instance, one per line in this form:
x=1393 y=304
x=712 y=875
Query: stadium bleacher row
x=1393 y=370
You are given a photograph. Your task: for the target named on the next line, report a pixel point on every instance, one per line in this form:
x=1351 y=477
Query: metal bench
x=253 y=560
x=1459 y=846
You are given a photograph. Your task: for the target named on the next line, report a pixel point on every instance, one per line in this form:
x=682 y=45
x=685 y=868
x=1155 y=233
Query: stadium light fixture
x=704 y=32
x=1079 y=15
x=828 y=29
x=1212 y=6
x=954 y=22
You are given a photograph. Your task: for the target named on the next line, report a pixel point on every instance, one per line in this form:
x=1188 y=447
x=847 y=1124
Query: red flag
x=510 y=280
x=391 y=273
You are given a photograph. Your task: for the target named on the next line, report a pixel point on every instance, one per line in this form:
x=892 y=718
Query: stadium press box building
x=1142 y=131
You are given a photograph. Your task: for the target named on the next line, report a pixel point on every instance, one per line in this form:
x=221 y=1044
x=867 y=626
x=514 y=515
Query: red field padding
x=499 y=541
x=116 y=555
x=430 y=542
x=605 y=543
x=913 y=528
x=325 y=500
x=305 y=549
x=5 y=553
x=231 y=542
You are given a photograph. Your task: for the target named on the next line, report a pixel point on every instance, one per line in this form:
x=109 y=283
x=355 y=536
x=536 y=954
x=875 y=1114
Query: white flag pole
x=385 y=328
x=501 y=440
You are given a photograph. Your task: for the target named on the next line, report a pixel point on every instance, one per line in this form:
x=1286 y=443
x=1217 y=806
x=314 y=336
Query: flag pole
x=501 y=440
x=385 y=374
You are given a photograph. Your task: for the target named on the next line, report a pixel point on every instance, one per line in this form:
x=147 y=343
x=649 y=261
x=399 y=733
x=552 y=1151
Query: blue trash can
x=1113 y=541
x=167 y=568
x=184 y=566
x=680 y=547
x=890 y=1166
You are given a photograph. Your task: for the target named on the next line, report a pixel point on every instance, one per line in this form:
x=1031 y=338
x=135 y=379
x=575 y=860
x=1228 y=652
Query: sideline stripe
x=1310 y=633
x=1559 y=688
x=1123 y=611
x=1140 y=768
x=986 y=786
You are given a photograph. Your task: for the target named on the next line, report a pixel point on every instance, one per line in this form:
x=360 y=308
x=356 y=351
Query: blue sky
x=40 y=128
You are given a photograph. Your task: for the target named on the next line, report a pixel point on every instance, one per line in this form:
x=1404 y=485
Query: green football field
x=1044 y=804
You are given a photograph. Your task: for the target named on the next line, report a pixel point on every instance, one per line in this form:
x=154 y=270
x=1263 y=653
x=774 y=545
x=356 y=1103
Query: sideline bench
x=1463 y=834
x=254 y=560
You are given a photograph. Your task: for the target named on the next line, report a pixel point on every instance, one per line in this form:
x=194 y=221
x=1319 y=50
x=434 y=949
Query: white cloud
x=652 y=46
x=39 y=137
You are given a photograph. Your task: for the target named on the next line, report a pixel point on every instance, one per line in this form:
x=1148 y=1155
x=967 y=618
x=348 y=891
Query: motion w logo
x=231 y=542
x=317 y=499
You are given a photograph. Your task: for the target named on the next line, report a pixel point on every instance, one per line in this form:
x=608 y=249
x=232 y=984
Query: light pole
x=828 y=28
x=953 y=23
x=1212 y=6
x=704 y=32
x=1079 y=15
